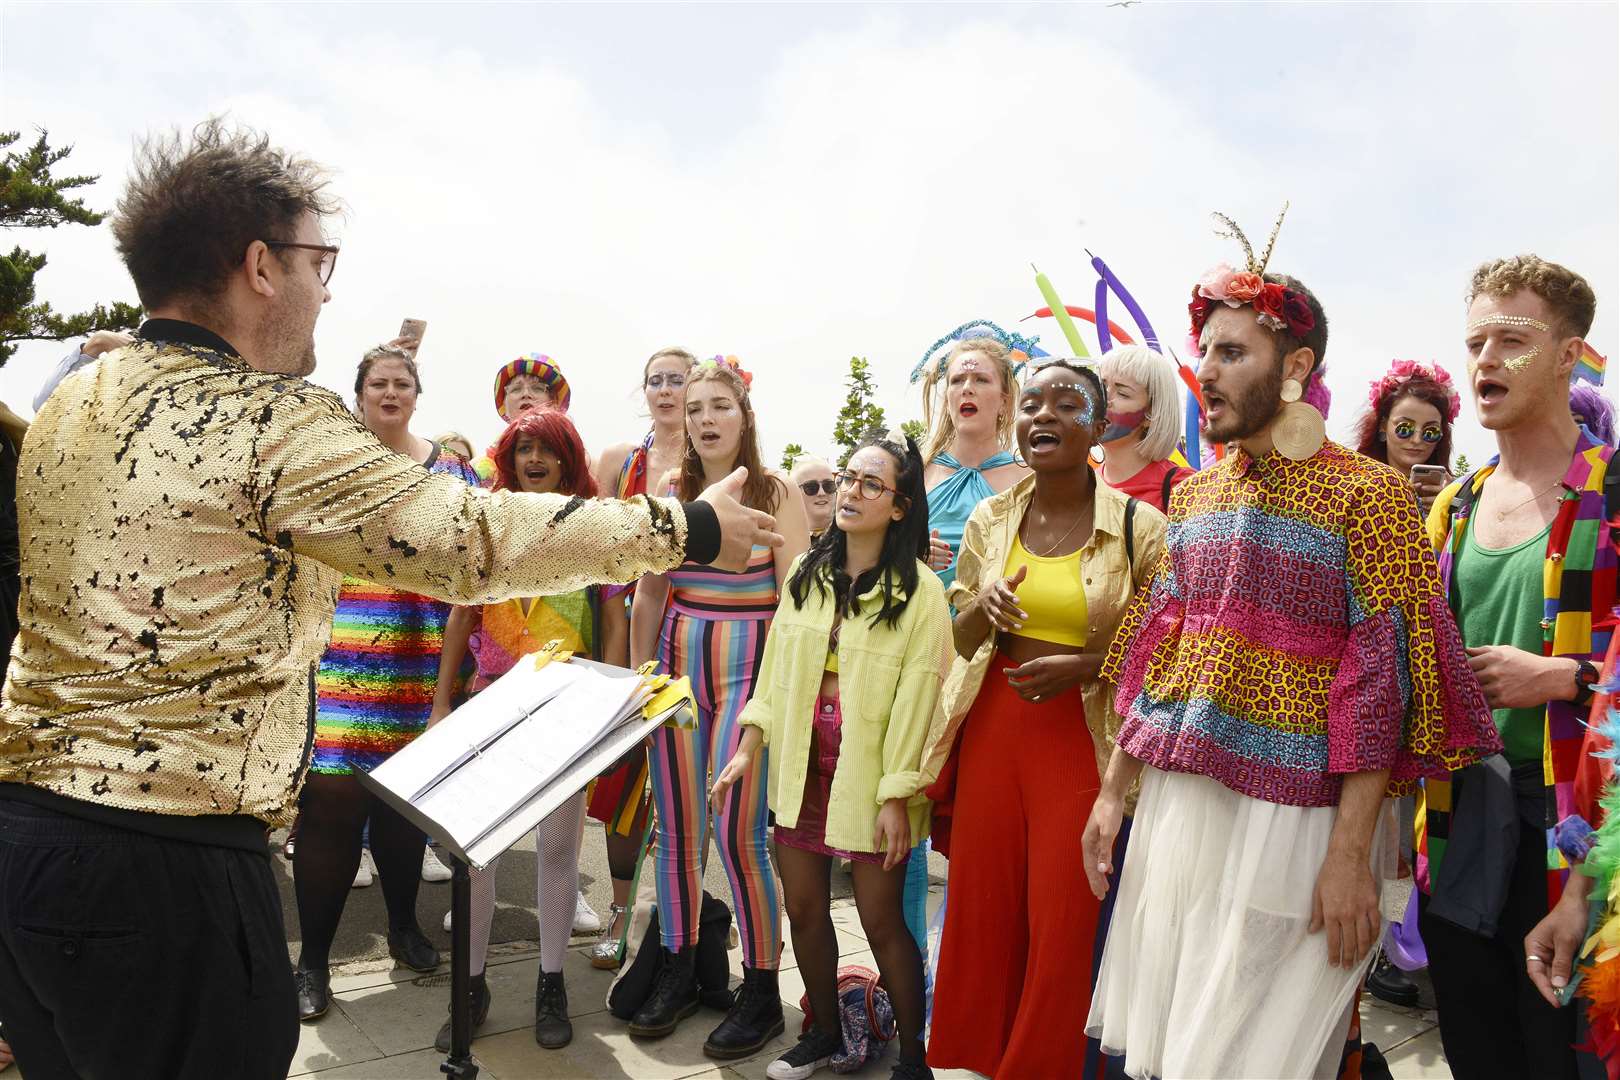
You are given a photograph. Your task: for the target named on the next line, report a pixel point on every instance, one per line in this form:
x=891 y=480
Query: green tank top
x=1498 y=599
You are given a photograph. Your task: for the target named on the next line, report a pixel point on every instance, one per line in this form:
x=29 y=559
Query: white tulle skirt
x=1209 y=970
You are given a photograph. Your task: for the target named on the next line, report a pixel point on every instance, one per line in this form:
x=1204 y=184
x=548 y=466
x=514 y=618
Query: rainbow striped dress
x=374 y=686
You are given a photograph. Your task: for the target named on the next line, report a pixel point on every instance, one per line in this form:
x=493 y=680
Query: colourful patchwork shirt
x=1296 y=631
x=1578 y=620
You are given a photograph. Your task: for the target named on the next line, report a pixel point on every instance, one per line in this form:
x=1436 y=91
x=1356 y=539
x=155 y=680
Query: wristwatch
x=1586 y=677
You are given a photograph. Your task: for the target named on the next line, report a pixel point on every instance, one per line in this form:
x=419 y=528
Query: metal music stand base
x=460 y=1063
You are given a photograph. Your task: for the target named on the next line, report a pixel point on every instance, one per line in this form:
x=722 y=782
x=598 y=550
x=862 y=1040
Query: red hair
x=558 y=435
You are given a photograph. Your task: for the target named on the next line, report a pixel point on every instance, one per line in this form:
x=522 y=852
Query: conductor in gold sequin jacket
x=187 y=507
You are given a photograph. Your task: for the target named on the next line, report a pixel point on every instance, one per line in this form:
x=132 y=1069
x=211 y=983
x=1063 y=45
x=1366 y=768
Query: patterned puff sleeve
x=1403 y=697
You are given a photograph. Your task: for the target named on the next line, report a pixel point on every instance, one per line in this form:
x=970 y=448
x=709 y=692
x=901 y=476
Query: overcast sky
x=797 y=185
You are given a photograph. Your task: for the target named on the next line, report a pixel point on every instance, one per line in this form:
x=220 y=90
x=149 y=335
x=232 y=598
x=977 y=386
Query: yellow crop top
x=1051 y=595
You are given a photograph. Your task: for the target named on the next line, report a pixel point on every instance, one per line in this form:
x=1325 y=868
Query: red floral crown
x=1402 y=372
x=1276 y=307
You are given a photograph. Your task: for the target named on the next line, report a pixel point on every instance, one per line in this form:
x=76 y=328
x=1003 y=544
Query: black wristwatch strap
x=1586 y=677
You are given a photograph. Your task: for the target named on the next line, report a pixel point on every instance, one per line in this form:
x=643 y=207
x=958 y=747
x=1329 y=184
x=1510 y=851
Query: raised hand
x=740 y=527
x=939 y=553
x=999 y=602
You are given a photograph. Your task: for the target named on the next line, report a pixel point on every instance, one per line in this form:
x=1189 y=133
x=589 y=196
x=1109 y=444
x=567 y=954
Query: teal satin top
x=953 y=499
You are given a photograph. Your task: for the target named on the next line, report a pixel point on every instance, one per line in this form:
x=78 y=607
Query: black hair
x=1099 y=393
x=904 y=544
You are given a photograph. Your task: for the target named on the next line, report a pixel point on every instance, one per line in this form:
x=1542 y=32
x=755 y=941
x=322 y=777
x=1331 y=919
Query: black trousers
x=129 y=955
x=1493 y=1021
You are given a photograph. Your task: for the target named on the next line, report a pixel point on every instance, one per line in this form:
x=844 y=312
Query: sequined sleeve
x=330 y=491
x=1403 y=668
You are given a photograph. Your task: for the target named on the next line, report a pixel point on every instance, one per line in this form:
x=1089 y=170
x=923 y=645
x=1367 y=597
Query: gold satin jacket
x=185 y=521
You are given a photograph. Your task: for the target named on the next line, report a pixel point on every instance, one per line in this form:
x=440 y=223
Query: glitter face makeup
x=968 y=363
x=1522 y=361
x=1509 y=320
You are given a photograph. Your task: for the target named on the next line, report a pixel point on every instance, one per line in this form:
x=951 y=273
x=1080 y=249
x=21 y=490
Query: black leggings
x=333 y=815
x=807 y=890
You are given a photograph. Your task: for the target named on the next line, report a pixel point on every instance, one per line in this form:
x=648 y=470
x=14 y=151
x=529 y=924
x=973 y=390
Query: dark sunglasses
x=826 y=487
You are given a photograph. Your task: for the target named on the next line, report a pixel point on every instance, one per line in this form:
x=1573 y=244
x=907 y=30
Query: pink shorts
x=810 y=833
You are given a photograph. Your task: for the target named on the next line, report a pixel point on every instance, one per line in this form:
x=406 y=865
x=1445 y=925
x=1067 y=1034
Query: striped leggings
x=721 y=658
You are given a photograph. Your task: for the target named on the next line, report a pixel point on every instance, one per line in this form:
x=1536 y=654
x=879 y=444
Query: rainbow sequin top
x=1296 y=631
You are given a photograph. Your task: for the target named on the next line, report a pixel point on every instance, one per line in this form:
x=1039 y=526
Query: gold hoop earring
x=1299 y=431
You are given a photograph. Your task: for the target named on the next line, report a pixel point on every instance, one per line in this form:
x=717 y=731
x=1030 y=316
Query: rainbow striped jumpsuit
x=714 y=632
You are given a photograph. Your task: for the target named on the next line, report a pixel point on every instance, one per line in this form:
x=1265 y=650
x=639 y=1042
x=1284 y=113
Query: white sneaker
x=586 y=920
x=432 y=868
x=366 y=872
x=449 y=918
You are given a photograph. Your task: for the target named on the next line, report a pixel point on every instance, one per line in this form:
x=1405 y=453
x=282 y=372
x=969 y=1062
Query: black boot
x=314 y=989
x=754 y=1020
x=412 y=948
x=674 y=996
x=551 y=1027
x=1389 y=983
x=480 y=1013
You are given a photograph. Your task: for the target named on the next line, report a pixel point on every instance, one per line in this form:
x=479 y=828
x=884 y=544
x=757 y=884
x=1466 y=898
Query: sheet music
x=450 y=744
x=506 y=747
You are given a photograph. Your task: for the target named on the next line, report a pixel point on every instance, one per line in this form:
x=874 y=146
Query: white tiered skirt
x=1209 y=970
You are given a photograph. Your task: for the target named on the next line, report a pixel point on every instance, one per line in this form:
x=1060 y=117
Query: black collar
x=185 y=333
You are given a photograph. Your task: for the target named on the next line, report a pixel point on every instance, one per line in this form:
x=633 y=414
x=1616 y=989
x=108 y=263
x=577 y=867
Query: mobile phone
x=1437 y=472
x=413 y=328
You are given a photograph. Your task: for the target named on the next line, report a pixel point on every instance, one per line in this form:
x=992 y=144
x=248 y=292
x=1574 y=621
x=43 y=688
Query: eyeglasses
x=656 y=382
x=328 y=260
x=1405 y=429
x=826 y=487
x=871 y=486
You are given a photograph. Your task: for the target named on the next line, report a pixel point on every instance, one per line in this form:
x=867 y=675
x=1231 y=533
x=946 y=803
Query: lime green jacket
x=888 y=687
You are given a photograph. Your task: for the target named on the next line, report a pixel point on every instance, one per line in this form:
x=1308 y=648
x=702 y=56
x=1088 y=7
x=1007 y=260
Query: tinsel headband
x=934 y=358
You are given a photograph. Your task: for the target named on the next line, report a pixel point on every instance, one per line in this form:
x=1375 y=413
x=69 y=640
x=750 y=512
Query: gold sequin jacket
x=185 y=523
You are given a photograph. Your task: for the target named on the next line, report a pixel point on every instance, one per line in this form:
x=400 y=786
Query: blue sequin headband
x=975 y=329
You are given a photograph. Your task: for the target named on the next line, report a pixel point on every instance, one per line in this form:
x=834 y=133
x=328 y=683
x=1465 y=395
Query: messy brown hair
x=190 y=210
x=761 y=491
x=1565 y=292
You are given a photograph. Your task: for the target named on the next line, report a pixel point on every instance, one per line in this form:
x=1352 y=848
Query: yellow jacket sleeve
x=917 y=694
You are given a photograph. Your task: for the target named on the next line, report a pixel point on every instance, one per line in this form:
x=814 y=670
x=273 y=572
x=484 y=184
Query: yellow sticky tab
x=551 y=650
x=672 y=694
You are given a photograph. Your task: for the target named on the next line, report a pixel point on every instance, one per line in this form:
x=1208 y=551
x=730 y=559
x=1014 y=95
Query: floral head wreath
x=1402 y=372
x=934 y=358
x=1275 y=306
x=731 y=362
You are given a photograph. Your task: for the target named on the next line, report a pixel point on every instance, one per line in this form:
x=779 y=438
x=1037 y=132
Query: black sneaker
x=480 y=1013
x=412 y=948
x=313 y=987
x=815 y=1049
x=911 y=1070
x=551 y=1027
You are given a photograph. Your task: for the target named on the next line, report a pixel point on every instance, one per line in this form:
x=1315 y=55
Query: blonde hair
x=1156 y=375
x=457 y=443
x=1565 y=292
x=938 y=419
